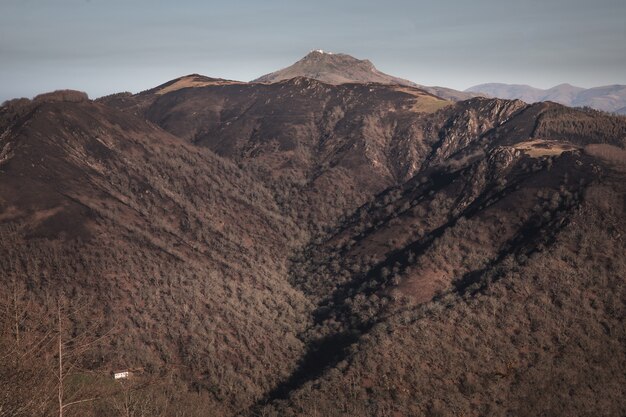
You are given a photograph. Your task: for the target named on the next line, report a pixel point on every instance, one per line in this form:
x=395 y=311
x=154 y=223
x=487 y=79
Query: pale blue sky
x=105 y=46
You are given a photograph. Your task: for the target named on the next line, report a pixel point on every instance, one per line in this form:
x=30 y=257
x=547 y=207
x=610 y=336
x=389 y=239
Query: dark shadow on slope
x=400 y=257
x=323 y=354
x=438 y=180
x=527 y=241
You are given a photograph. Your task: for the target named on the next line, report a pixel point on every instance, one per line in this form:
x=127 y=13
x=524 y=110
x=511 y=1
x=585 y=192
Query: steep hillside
x=338 y=146
x=472 y=289
x=327 y=147
x=342 y=68
x=536 y=333
x=495 y=178
x=177 y=255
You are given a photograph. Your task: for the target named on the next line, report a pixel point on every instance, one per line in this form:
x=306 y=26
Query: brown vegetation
x=307 y=249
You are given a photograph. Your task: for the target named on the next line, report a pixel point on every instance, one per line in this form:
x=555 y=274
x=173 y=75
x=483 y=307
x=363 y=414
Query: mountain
x=308 y=248
x=331 y=146
x=611 y=98
x=499 y=226
x=563 y=93
x=334 y=68
x=143 y=234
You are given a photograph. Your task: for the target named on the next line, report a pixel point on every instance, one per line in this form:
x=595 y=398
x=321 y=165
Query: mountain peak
x=340 y=68
x=189 y=81
x=333 y=68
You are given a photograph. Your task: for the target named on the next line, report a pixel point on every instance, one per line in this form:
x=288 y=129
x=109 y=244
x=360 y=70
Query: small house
x=121 y=375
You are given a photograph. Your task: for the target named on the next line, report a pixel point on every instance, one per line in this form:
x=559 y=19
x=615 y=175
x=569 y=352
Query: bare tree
x=69 y=350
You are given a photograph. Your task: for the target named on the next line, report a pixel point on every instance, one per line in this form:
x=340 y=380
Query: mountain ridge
x=610 y=98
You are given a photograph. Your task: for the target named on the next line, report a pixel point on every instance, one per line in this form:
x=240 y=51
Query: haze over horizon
x=105 y=47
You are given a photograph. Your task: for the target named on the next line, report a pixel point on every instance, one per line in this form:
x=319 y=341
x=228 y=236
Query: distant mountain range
x=610 y=98
x=337 y=69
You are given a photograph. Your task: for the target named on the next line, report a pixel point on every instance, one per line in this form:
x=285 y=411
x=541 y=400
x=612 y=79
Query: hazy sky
x=105 y=46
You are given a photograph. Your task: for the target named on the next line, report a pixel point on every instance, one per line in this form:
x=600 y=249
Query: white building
x=121 y=375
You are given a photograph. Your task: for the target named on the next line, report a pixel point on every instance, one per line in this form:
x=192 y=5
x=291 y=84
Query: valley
x=311 y=247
